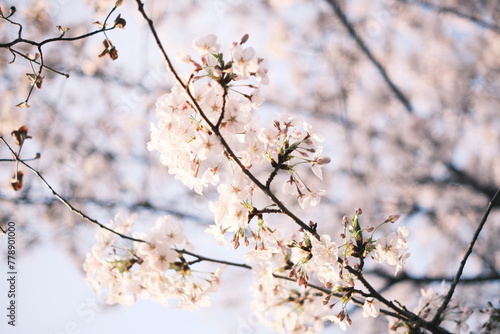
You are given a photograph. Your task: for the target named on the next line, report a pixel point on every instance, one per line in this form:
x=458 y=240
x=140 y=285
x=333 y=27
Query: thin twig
x=20 y=39
x=36 y=62
x=55 y=39
x=63 y=200
x=204 y=258
x=12 y=160
x=460 y=270
x=39 y=45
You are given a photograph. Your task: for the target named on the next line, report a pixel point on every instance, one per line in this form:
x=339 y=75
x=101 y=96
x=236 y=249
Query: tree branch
x=447 y=299
x=54 y=39
x=362 y=45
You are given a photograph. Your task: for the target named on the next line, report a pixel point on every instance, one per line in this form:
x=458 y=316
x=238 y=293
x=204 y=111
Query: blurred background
x=406 y=94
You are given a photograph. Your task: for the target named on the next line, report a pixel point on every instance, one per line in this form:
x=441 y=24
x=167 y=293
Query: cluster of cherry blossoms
x=207 y=136
x=200 y=122
x=151 y=269
x=206 y=127
x=188 y=116
x=326 y=272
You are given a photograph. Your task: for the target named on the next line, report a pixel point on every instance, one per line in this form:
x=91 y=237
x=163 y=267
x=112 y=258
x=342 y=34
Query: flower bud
x=323 y=160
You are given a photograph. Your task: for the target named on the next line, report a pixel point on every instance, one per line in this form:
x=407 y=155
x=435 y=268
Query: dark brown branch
x=55 y=39
x=447 y=299
x=376 y=294
x=204 y=258
x=38 y=77
x=12 y=160
x=38 y=63
x=223 y=110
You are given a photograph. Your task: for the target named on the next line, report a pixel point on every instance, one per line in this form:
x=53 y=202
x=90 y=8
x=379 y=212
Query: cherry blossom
x=324 y=251
x=243 y=58
x=371 y=308
x=151 y=269
x=207 y=44
x=392 y=249
x=319 y=161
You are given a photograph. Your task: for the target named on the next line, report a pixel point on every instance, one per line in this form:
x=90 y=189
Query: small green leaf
x=218 y=56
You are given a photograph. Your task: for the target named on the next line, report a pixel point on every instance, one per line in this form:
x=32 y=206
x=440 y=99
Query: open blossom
x=268 y=136
x=229 y=216
x=243 y=59
x=253 y=152
x=328 y=275
x=314 y=137
x=235 y=117
x=392 y=249
x=324 y=251
x=319 y=161
x=261 y=72
x=160 y=257
x=371 y=308
x=192 y=288
x=169 y=231
x=207 y=44
x=206 y=145
x=310 y=198
x=238 y=190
